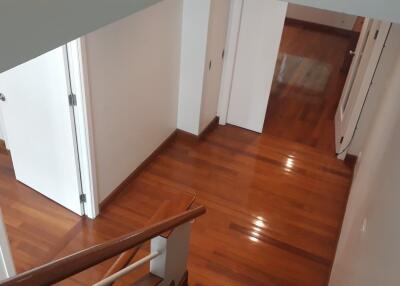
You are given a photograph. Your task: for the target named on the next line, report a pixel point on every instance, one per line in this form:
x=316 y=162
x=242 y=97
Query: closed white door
x=366 y=56
x=215 y=59
x=40 y=128
x=257 y=50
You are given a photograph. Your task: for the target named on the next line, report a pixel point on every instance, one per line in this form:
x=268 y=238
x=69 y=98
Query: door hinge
x=376 y=34
x=72 y=99
x=82 y=198
x=341 y=140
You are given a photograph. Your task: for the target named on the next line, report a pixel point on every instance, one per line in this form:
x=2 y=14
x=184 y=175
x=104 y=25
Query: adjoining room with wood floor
x=313 y=62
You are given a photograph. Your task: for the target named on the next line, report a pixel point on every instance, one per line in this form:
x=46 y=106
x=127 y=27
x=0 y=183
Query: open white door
x=369 y=48
x=257 y=50
x=40 y=128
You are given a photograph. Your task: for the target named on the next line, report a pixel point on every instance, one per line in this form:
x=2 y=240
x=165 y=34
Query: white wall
x=369 y=252
x=203 y=40
x=31 y=28
x=324 y=17
x=196 y=15
x=133 y=69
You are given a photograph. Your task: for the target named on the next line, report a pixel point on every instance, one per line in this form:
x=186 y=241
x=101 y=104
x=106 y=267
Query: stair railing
x=168 y=255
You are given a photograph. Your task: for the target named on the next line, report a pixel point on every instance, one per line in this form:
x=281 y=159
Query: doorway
x=41 y=124
x=329 y=62
x=311 y=69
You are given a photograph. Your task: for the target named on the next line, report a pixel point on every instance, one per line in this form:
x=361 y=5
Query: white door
x=366 y=56
x=257 y=50
x=215 y=53
x=40 y=128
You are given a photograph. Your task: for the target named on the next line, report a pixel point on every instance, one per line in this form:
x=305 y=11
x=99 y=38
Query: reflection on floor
x=274 y=211
x=301 y=72
x=307 y=87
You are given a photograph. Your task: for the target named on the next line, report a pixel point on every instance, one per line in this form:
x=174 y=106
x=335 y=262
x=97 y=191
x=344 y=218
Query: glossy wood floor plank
x=275 y=204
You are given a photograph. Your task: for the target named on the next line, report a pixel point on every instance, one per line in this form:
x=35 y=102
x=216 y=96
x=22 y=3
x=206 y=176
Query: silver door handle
x=2 y=97
x=352 y=53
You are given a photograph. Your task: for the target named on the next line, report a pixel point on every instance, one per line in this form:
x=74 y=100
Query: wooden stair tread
x=148 y=280
x=183 y=203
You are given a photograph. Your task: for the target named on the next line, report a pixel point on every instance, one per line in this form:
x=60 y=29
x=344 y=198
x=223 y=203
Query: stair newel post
x=171 y=265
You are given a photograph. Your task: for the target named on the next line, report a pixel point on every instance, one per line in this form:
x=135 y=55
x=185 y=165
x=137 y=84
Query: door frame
x=362 y=94
x=81 y=119
x=76 y=55
x=231 y=45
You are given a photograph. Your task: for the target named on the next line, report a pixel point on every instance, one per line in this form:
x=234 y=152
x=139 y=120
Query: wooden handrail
x=63 y=268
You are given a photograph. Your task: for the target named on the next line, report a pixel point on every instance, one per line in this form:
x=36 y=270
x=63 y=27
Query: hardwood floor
x=307 y=86
x=274 y=211
x=275 y=201
x=36 y=226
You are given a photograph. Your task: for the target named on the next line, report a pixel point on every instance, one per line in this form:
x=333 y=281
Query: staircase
x=168 y=231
